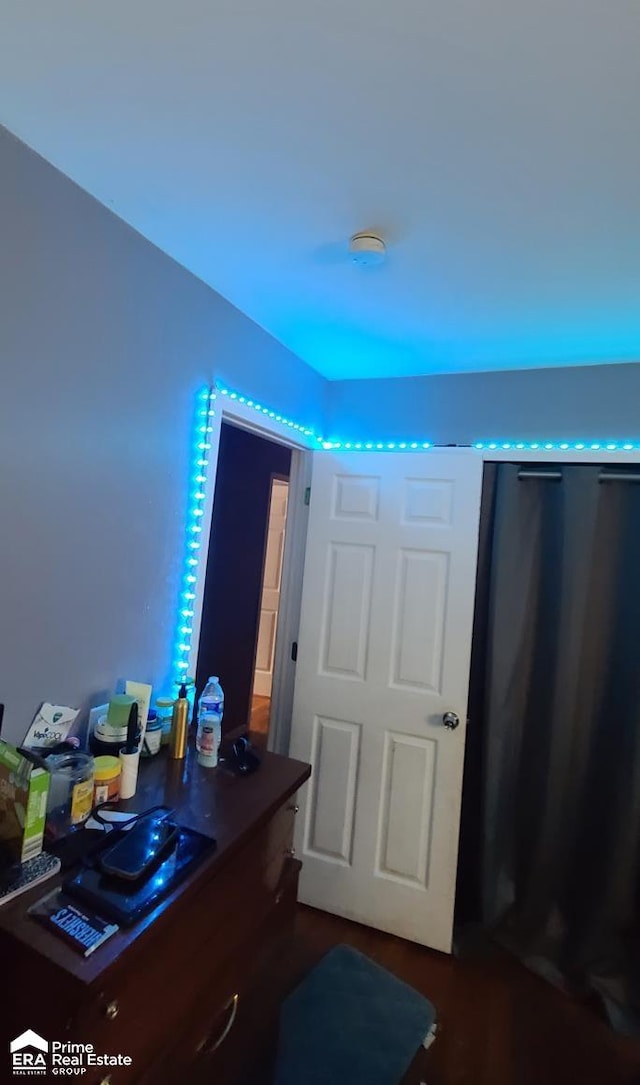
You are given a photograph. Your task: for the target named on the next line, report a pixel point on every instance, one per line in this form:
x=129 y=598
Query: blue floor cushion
x=350 y=1022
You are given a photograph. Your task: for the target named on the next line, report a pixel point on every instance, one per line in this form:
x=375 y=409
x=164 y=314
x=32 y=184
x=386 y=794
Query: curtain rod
x=556 y=476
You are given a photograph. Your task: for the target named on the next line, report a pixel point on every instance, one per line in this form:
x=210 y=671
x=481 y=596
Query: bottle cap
x=214 y=678
x=106 y=768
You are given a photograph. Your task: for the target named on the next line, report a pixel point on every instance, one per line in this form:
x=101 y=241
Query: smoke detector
x=367 y=249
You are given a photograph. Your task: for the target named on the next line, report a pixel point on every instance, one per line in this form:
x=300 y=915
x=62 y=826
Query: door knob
x=451 y=720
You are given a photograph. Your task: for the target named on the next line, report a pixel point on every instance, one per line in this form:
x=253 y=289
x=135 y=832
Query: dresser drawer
x=233 y=1016
x=147 y=999
x=252 y=1043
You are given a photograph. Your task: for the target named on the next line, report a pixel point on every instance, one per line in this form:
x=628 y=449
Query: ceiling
x=495 y=145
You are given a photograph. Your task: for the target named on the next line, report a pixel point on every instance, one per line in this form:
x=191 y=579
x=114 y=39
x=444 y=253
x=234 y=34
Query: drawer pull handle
x=111 y=1010
x=290 y=852
x=207 y=1047
x=294 y=806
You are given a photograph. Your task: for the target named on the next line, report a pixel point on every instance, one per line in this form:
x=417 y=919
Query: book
x=79 y=927
x=31 y=873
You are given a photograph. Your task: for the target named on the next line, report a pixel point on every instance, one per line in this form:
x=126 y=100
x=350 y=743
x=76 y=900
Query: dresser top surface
x=214 y=802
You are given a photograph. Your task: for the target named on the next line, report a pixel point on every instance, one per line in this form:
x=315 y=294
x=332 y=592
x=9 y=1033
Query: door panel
x=384 y=649
x=335 y=750
x=347 y=607
x=404 y=834
x=418 y=619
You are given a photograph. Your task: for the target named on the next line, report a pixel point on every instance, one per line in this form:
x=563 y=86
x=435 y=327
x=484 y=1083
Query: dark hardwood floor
x=497 y=1023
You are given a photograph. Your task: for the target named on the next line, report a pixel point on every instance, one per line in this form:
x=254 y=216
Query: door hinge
x=294 y=651
x=307 y=496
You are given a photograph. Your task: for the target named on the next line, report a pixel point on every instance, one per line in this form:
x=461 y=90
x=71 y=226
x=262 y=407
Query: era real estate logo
x=29 y=1054
x=32 y=1056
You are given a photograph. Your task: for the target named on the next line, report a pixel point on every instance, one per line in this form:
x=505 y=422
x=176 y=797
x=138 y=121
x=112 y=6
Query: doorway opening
x=269 y=606
x=243 y=581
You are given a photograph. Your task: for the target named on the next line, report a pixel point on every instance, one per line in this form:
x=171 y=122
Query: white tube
x=129 y=778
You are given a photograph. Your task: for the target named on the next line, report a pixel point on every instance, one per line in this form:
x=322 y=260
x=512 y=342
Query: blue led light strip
x=199 y=477
x=268 y=413
x=558 y=446
x=412 y=446
x=377 y=446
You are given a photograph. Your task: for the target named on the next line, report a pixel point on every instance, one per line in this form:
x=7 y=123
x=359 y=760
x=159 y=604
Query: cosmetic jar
x=106 y=779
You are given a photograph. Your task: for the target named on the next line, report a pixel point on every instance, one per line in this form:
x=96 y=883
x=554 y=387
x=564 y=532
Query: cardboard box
x=24 y=787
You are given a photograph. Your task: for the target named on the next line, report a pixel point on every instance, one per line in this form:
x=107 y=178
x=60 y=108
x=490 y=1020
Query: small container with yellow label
x=106 y=779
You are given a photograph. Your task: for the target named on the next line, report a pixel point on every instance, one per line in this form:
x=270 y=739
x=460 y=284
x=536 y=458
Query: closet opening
x=549 y=861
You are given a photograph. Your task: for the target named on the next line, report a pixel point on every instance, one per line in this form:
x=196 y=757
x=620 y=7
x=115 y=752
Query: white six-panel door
x=384 y=650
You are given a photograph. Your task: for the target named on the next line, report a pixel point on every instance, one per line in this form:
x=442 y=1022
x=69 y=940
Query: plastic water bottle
x=210 y=711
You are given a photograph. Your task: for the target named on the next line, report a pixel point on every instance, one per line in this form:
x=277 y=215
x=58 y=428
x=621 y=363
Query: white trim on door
x=284 y=668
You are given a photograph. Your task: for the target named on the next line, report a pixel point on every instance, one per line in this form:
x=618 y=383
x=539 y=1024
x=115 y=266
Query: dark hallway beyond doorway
x=247 y=464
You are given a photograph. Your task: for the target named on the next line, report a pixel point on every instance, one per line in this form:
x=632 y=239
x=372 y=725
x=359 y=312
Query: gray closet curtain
x=556 y=686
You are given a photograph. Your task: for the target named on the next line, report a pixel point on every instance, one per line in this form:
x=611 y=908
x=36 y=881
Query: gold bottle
x=179 y=726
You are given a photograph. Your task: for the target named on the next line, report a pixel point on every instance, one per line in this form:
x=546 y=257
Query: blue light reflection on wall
x=322 y=442
x=199 y=477
x=411 y=444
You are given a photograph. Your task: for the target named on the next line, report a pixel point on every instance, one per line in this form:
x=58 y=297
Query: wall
x=104 y=342
x=576 y=403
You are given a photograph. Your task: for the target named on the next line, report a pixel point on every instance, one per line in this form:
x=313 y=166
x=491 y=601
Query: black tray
x=127 y=904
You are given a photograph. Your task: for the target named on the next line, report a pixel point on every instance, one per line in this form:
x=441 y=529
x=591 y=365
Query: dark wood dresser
x=190 y=992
